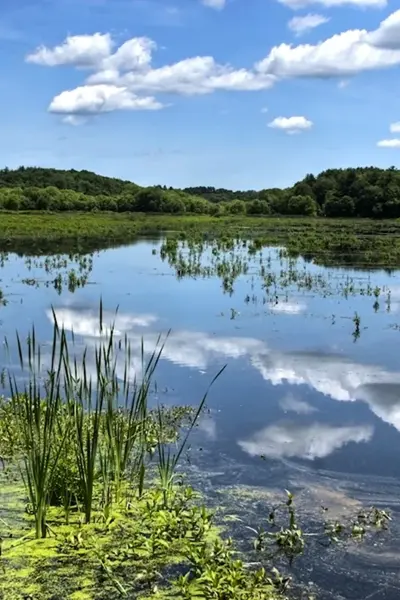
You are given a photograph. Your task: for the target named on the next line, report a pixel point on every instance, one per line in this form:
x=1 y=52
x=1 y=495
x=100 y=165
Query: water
x=305 y=401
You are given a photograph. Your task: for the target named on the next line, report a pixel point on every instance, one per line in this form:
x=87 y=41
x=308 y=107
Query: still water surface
x=305 y=401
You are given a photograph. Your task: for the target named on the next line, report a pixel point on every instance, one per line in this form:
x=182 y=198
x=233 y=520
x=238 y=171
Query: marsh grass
x=82 y=432
x=37 y=422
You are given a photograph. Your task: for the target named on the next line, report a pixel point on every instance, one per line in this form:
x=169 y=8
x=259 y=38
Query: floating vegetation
x=272 y=273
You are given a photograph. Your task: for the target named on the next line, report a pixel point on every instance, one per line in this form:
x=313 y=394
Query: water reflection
x=331 y=375
x=290 y=403
x=306 y=441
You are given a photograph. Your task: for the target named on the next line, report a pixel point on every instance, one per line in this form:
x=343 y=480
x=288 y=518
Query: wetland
x=138 y=478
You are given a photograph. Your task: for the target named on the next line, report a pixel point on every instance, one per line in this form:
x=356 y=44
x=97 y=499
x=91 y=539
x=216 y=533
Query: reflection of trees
x=43 y=247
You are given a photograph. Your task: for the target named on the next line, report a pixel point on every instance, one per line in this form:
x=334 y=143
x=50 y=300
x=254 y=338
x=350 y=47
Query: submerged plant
x=357 y=323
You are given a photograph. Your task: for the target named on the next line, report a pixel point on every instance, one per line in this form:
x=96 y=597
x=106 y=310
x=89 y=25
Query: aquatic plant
x=36 y=418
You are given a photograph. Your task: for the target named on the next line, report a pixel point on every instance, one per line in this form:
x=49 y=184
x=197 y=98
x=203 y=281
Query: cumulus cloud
x=296 y=4
x=301 y=25
x=192 y=76
x=118 y=76
x=395 y=127
x=95 y=99
x=310 y=441
x=388 y=33
x=391 y=143
x=291 y=124
x=217 y=4
x=85 y=51
x=341 y=55
x=128 y=69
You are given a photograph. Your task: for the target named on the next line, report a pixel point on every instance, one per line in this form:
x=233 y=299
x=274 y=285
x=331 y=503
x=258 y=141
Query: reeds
x=37 y=420
x=83 y=428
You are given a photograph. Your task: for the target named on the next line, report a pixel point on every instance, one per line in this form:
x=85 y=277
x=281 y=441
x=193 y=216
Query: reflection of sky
x=296 y=386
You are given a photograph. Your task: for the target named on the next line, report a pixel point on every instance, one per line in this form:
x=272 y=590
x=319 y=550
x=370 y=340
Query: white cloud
x=291 y=124
x=311 y=441
x=395 y=127
x=127 y=70
x=388 y=33
x=341 y=55
x=392 y=143
x=296 y=4
x=74 y=120
x=135 y=53
x=217 y=4
x=192 y=76
x=77 y=50
x=118 y=76
x=292 y=404
x=301 y=25
x=95 y=99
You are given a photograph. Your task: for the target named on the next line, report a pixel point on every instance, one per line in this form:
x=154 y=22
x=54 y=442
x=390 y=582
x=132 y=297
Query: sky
x=242 y=94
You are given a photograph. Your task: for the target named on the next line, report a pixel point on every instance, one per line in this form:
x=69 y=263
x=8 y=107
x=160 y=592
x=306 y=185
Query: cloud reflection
x=292 y=404
x=307 y=441
x=330 y=374
x=288 y=307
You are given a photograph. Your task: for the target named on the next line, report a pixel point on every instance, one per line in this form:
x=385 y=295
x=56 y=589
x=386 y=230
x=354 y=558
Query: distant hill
x=85 y=182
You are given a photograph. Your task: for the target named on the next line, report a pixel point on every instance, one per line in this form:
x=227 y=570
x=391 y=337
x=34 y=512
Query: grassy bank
x=329 y=241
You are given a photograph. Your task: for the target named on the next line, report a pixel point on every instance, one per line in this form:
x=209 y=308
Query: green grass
x=330 y=241
x=47 y=226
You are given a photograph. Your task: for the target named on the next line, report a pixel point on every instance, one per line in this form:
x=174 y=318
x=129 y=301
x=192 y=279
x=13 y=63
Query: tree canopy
x=354 y=192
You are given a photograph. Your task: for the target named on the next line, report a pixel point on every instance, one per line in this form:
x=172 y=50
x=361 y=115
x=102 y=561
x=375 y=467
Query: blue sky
x=235 y=93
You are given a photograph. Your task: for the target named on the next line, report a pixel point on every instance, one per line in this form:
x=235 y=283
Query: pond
x=309 y=399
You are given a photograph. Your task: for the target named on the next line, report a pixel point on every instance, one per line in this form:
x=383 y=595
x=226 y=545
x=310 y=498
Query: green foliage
x=362 y=192
x=302 y=205
x=217 y=573
x=284 y=534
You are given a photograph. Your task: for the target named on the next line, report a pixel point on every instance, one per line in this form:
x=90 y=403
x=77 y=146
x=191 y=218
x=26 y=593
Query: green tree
x=302 y=205
x=338 y=206
x=258 y=207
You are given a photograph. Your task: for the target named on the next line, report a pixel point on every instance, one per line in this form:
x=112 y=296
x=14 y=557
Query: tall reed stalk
x=37 y=418
x=94 y=419
x=126 y=423
x=167 y=460
x=88 y=400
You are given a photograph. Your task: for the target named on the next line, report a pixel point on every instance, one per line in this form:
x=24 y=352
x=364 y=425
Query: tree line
x=360 y=192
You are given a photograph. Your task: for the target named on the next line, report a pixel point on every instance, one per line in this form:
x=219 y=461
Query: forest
x=353 y=192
